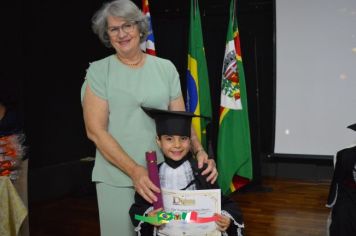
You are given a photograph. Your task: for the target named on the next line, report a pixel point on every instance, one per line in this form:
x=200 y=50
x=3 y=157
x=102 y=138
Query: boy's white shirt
x=179 y=177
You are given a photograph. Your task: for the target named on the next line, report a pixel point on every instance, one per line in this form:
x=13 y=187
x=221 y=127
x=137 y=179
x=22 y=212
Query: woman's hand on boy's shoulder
x=210 y=170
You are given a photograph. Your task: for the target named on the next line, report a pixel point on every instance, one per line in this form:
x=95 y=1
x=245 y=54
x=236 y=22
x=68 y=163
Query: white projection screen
x=315 y=76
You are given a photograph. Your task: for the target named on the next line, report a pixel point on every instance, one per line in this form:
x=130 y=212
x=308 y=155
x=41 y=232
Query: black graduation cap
x=171 y=122
x=353 y=127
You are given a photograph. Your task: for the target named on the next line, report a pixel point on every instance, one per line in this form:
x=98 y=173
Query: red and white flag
x=149 y=45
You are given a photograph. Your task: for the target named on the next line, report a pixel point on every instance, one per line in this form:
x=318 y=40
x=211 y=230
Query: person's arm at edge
x=201 y=155
x=95 y=111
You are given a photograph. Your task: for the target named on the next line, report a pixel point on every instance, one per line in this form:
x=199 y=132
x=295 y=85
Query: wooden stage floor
x=292 y=208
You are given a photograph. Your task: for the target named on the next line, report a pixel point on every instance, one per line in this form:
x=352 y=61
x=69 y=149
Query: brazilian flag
x=198 y=91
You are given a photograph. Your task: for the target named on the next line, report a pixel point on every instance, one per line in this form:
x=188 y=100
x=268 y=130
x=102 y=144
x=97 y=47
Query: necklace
x=131 y=64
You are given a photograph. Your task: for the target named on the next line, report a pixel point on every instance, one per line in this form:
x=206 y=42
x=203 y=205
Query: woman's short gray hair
x=119 y=8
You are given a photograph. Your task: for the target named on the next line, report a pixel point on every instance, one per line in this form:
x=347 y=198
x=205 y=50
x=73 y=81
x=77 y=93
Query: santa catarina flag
x=198 y=91
x=234 y=159
x=149 y=45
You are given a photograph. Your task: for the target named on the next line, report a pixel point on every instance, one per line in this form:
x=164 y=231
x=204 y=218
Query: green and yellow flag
x=198 y=90
x=234 y=159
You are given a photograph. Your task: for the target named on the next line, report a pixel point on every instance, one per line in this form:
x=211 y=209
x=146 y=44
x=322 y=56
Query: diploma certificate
x=204 y=202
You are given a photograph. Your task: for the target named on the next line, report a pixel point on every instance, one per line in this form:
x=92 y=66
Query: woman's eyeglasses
x=126 y=28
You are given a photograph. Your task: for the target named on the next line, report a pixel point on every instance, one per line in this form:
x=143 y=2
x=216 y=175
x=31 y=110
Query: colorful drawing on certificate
x=203 y=203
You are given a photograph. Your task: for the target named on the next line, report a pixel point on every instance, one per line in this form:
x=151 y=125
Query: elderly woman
x=114 y=90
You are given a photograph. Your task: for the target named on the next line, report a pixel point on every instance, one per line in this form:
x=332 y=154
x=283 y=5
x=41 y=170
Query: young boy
x=180 y=171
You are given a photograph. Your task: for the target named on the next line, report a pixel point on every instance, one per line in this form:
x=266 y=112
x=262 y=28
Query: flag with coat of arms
x=234 y=158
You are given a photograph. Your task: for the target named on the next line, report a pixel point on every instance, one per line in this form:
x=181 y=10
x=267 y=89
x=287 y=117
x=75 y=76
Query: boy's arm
x=141 y=207
x=231 y=209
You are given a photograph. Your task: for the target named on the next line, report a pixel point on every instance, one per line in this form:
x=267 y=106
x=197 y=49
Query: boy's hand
x=154 y=213
x=223 y=222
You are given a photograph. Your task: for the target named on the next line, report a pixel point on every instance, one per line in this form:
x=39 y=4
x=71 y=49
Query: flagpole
x=234 y=6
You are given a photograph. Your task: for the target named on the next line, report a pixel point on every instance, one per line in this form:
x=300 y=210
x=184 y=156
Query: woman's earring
x=141 y=35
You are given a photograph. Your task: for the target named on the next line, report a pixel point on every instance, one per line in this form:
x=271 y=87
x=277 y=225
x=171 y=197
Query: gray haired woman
x=112 y=94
